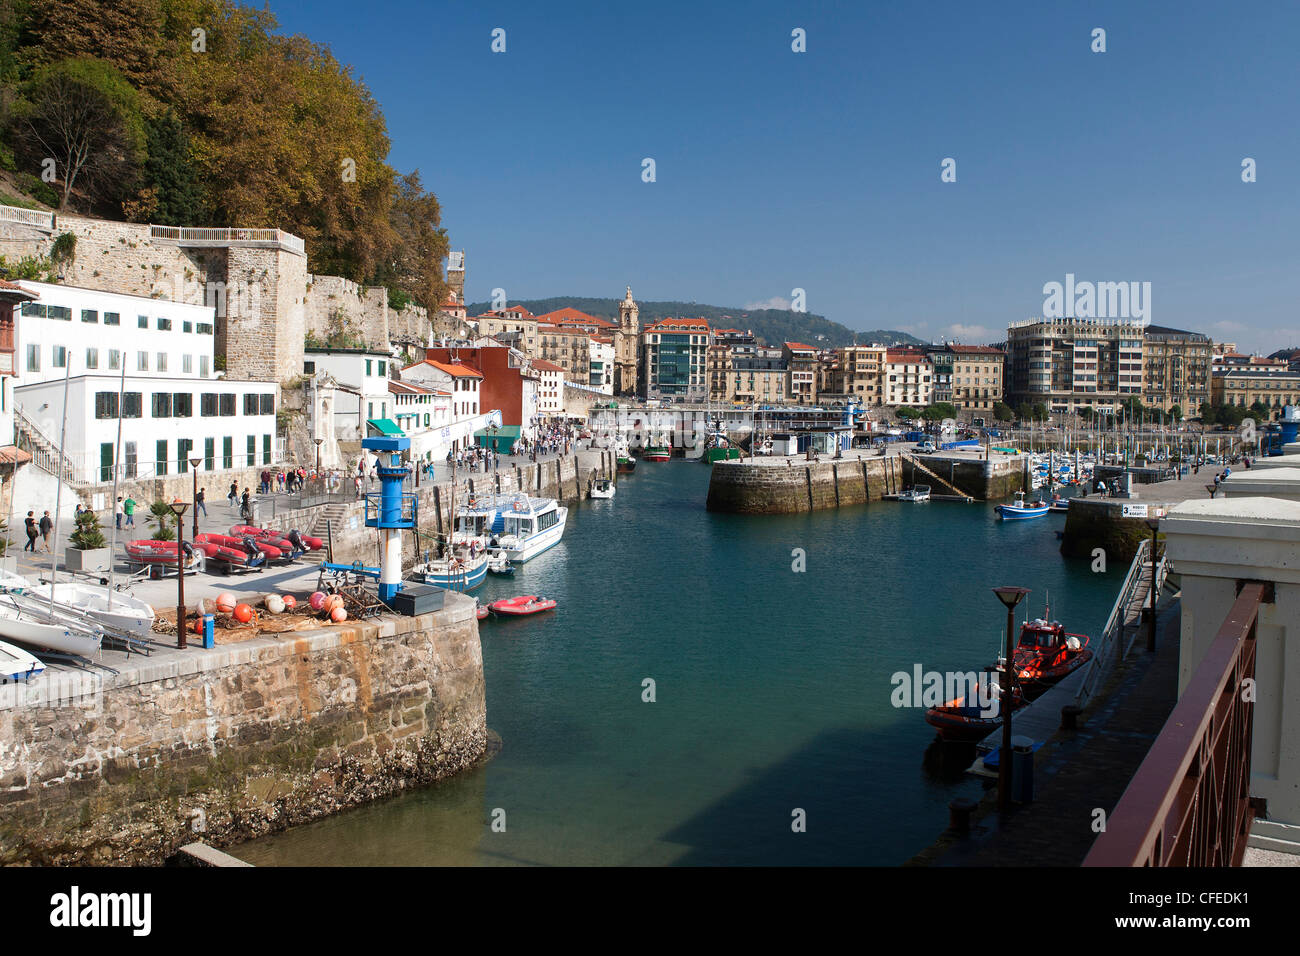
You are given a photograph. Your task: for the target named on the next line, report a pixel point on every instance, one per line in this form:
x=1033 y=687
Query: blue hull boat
x=1021 y=510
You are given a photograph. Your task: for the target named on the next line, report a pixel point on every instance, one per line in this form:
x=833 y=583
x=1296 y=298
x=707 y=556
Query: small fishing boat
x=1059 y=505
x=458 y=571
x=521 y=606
x=960 y=720
x=658 y=453
x=626 y=464
x=717 y=447
x=602 y=488
x=500 y=565
x=16 y=664
x=916 y=493
x=1021 y=509
x=111 y=608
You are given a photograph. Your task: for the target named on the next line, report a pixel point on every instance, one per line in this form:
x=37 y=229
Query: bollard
x=1070 y=717
x=1022 y=770
x=959 y=811
x=209 y=637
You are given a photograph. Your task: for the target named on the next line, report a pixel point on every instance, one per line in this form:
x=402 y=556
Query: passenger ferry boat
x=516 y=526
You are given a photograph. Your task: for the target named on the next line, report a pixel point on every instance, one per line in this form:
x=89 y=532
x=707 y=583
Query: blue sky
x=821 y=170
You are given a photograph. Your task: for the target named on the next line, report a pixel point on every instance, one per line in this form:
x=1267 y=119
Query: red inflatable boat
x=148 y=551
x=308 y=543
x=220 y=547
x=521 y=606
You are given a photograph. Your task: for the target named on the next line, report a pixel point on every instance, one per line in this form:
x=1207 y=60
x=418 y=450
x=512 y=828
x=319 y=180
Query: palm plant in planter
x=87 y=551
x=160 y=514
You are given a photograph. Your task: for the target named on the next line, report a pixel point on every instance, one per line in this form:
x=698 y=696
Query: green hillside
x=771 y=326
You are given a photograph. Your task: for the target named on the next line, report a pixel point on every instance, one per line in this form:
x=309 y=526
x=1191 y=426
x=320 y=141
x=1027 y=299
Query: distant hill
x=771 y=326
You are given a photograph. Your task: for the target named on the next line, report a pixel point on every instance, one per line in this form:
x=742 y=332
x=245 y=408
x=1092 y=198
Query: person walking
x=117 y=513
x=31 y=533
x=246 y=507
x=128 y=509
x=200 y=502
x=233 y=496
x=46 y=526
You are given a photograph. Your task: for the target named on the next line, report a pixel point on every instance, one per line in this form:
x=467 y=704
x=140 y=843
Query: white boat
x=456 y=572
x=122 y=612
x=16 y=664
x=603 y=488
x=916 y=493
x=13 y=582
x=517 y=526
x=25 y=622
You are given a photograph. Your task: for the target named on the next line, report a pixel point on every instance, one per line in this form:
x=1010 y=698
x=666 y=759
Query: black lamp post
x=178 y=509
x=1010 y=597
x=318 y=441
x=194 y=467
x=1153 y=524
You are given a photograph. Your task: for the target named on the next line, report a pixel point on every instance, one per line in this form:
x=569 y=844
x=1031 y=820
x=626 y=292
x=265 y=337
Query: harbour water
x=772 y=687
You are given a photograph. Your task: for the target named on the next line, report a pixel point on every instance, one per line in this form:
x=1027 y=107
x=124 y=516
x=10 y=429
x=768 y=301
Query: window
x=114 y=359
x=92 y=358
x=160 y=457
x=142 y=322
x=164 y=325
x=187 y=364
x=162 y=404
x=203 y=366
x=268 y=404
x=209 y=453
x=187 y=326
x=208 y=405
x=129 y=459
x=368 y=370
x=266 y=449
x=227 y=452
x=227 y=406
x=182 y=405
x=90 y=315
x=132 y=404
x=183 y=446
x=33 y=358
x=370 y=409
x=383 y=368
x=142 y=361
x=105 y=405
x=204 y=328
x=60 y=357
x=106 y=461
x=251 y=451
x=250 y=403
x=162 y=361
x=309 y=368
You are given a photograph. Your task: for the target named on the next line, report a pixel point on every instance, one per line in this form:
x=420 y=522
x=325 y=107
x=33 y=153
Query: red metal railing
x=1189 y=802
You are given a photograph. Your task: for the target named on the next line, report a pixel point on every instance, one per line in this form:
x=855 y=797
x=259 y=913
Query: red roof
x=410 y=388
x=799 y=347
x=976 y=350
x=545 y=366
x=679 y=325
x=455 y=371
x=571 y=316
x=904 y=357
x=6 y=286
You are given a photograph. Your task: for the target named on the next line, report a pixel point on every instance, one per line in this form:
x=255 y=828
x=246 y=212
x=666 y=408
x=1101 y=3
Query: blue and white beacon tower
x=391 y=511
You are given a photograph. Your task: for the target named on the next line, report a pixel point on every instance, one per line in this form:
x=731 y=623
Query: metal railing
x=1189 y=802
x=186 y=234
x=1110 y=648
x=28 y=217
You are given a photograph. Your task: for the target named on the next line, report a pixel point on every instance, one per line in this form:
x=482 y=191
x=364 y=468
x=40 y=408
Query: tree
x=906 y=412
x=1176 y=414
x=84 y=116
x=1024 y=412
x=161 y=518
x=939 y=411
x=1086 y=413
x=415 y=264
x=1002 y=412
x=88 y=534
x=1040 y=412
x=1208 y=413
x=172 y=195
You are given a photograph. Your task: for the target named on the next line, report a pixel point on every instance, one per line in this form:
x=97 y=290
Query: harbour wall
x=1093 y=523
x=238 y=741
x=767 y=486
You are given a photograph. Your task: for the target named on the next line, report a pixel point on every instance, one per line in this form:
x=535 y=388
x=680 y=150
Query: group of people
x=41 y=529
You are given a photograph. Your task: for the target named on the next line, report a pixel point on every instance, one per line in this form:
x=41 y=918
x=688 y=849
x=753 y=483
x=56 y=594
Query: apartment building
x=1177 y=369
x=675 y=353
x=1068 y=364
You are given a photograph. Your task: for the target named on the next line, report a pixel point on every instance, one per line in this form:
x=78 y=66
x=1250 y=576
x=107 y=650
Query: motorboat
x=113 y=609
x=968 y=717
x=16 y=664
x=1021 y=510
x=1059 y=505
x=517 y=527
x=24 y=620
x=626 y=464
x=916 y=493
x=603 y=488
x=481 y=611
x=500 y=565
x=458 y=571
x=1045 y=653
x=521 y=606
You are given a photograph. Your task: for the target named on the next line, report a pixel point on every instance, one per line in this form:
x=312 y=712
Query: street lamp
x=318 y=441
x=194 y=467
x=178 y=509
x=1153 y=524
x=1009 y=596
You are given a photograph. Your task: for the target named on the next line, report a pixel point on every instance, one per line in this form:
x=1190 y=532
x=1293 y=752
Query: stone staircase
x=44 y=452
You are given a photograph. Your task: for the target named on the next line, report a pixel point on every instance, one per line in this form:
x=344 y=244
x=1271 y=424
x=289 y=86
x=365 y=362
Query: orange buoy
x=225 y=602
x=243 y=613
x=338 y=614
x=290 y=602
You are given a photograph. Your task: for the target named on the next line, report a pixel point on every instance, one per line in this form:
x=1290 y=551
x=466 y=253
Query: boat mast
x=58 y=493
x=117 y=467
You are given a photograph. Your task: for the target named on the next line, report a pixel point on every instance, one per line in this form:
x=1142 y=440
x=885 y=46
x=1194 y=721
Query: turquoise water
x=772 y=687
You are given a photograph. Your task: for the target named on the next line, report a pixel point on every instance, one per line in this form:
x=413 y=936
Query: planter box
x=96 y=559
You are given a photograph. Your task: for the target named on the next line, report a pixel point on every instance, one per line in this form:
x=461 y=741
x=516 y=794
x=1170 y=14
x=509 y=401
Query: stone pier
x=238 y=741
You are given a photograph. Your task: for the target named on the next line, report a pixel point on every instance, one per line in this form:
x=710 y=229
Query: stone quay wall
x=238 y=741
x=1100 y=523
